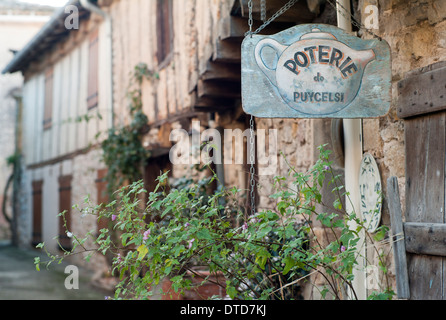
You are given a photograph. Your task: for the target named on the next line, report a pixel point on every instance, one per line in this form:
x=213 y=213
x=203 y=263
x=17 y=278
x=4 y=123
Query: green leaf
x=289 y=263
x=124 y=238
x=264 y=231
x=167 y=210
x=262 y=258
x=37 y=263
x=178 y=250
x=123 y=270
x=281 y=206
x=231 y=291
x=204 y=234
x=380 y=233
x=142 y=250
x=338 y=223
x=337 y=204
x=320 y=179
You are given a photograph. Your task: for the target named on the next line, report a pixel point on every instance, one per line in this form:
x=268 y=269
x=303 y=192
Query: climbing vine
x=123 y=150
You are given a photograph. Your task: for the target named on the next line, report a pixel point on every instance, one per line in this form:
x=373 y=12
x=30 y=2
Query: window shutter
x=164 y=29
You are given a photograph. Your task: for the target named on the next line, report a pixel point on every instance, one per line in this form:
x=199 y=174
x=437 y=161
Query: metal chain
x=263 y=10
x=352 y=18
x=250 y=20
x=286 y=7
x=252 y=182
x=279 y=12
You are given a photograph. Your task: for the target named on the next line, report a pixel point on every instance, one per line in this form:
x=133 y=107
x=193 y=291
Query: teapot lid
x=317 y=34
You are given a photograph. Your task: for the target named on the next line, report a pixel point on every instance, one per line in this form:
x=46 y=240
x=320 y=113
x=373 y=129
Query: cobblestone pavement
x=19 y=279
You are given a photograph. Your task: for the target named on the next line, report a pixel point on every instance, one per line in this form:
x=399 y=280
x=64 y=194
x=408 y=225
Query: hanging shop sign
x=315 y=71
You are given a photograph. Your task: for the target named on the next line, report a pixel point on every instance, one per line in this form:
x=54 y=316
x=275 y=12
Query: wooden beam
x=227 y=51
x=299 y=13
x=221 y=71
x=422 y=91
x=425 y=238
x=208 y=104
x=232 y=27
x=399 y=246
x=218 y=89
x=156 y=151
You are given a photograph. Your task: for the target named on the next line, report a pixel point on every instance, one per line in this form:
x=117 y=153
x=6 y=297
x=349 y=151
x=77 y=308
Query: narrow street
x=19 y=279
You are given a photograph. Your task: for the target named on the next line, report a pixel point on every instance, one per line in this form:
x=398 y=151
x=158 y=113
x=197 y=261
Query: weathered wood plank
x=425 y=165
x=425 y=238
x=227 y=51
x=221 y=71
x=422 y=93
x=399 y=248
x=206 y=104
x=232 y=27
x=425 y=197
x=73 y=103
x=218 y=89
x=425 y=277
x=443 y=289
x=82 y=140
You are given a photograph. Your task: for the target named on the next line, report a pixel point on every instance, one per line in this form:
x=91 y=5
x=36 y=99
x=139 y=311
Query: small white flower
x=69 y=234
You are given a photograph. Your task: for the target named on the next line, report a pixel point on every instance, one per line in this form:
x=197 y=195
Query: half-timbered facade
x=77 y=82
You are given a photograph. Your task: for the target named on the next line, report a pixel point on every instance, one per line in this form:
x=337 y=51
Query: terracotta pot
x=199 y=290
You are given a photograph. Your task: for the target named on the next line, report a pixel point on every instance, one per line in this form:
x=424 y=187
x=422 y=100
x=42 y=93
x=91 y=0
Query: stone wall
x=416 y=33
x=295 y=142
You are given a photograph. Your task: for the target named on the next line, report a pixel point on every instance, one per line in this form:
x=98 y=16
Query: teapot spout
x=365 y=56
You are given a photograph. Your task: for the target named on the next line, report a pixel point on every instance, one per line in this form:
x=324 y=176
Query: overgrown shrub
x=270 y=255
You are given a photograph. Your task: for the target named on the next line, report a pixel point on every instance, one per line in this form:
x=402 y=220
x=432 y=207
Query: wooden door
x=422 y=104
x=37 y=212
x=154 y=168
x=65 y=205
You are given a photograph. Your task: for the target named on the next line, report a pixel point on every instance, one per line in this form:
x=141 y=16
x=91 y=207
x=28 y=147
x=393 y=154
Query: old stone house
x=83 y=72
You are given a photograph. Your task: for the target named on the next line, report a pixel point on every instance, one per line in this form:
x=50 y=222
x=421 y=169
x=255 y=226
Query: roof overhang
x=54 y=31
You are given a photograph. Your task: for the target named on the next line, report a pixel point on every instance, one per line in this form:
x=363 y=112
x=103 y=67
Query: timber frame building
x=194 y=48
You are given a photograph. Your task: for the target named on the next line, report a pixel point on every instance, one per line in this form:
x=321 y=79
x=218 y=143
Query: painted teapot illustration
x=317 y=74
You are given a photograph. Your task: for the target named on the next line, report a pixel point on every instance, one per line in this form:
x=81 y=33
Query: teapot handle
x=279 y=48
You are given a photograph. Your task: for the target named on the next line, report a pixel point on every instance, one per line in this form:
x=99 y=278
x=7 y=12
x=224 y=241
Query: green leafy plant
x=123 y=150
x=270 y=255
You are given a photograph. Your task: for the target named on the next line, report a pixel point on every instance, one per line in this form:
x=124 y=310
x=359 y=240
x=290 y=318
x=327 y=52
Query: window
x=37 y=212
x=48 y=107
x=93 y=55
x=65 y=205
x=164 y=29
